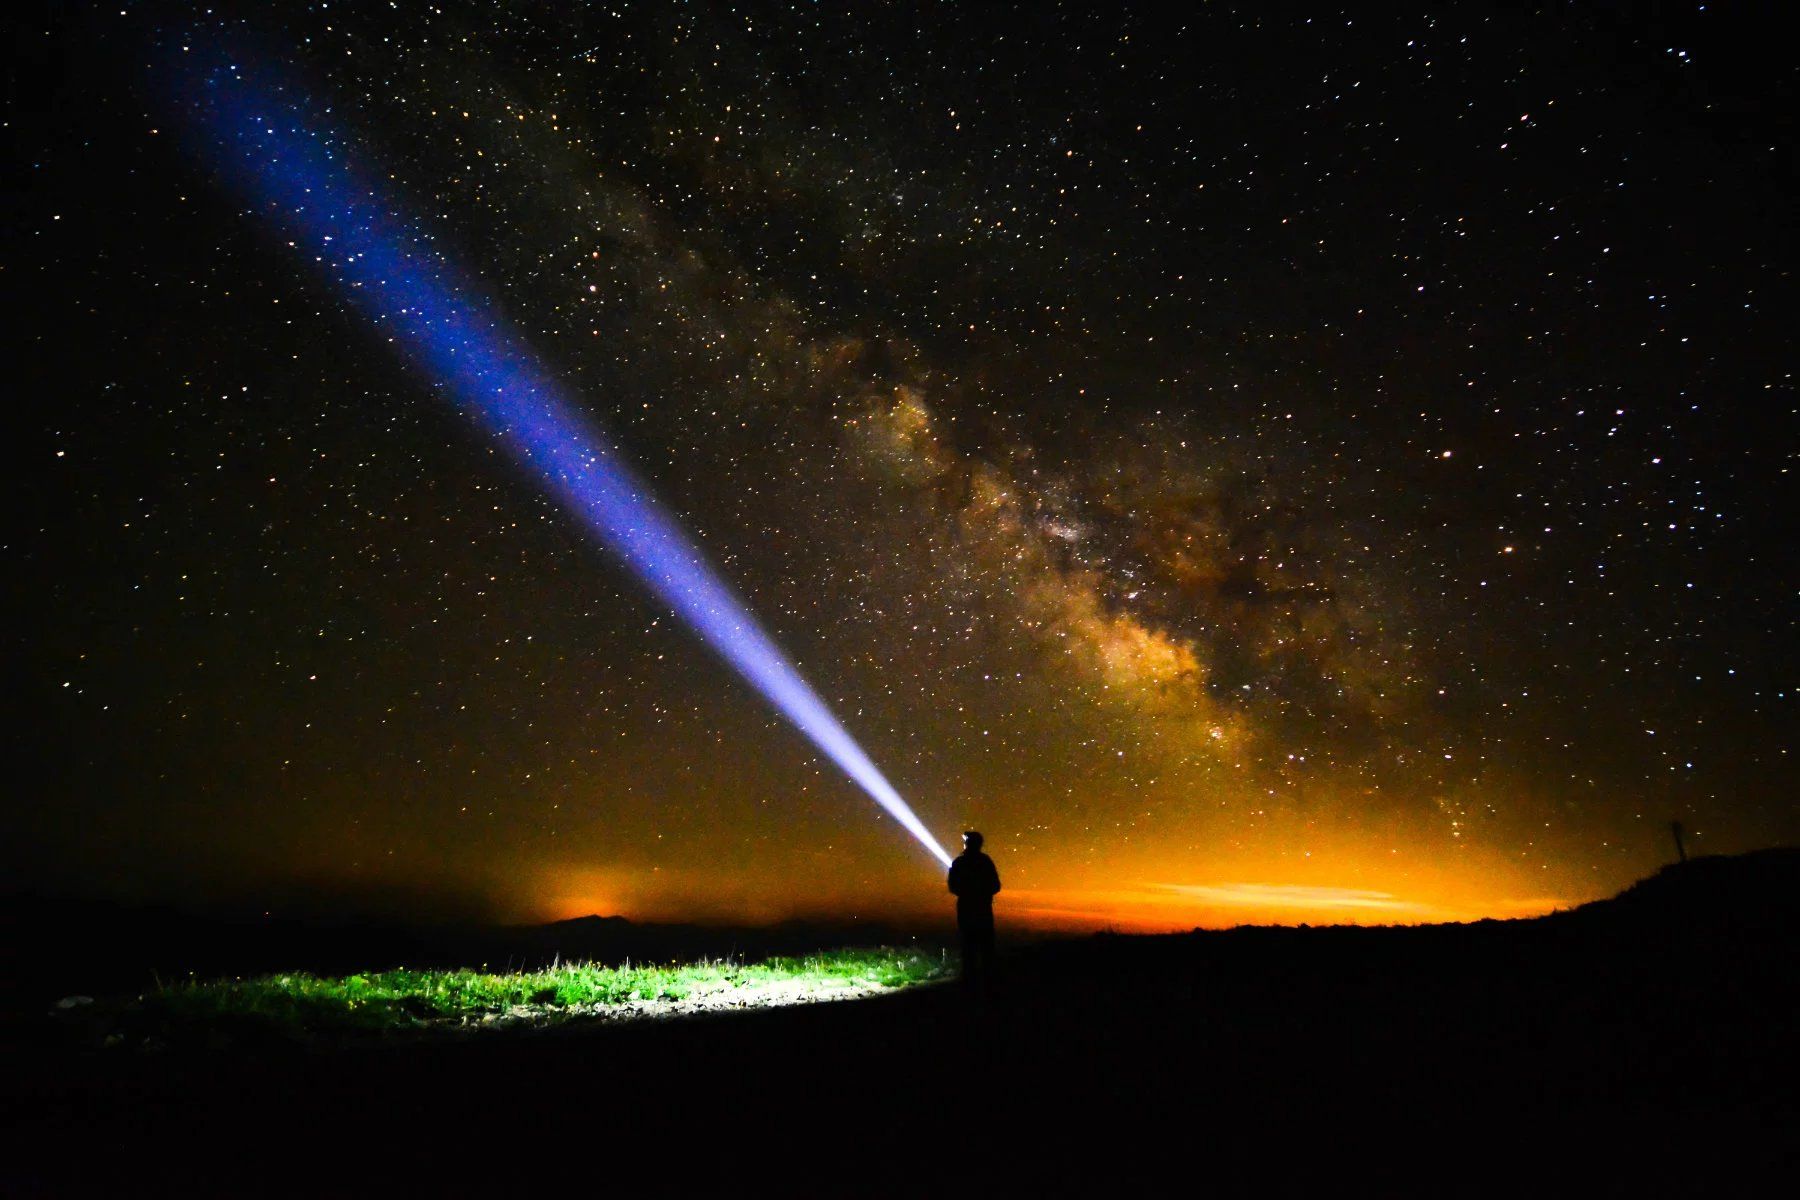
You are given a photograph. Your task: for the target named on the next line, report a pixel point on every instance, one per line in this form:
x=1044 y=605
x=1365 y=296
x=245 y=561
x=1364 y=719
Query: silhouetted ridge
x=592 y=921
x=1755 y=891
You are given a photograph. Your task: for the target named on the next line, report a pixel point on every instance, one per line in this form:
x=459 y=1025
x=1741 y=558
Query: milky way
x=1256 y=464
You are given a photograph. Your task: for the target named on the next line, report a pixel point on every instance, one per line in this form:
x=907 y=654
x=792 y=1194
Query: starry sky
x=1255 y=463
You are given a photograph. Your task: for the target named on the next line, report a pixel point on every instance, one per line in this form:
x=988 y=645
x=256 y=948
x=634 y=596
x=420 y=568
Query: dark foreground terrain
x=1643 y=1045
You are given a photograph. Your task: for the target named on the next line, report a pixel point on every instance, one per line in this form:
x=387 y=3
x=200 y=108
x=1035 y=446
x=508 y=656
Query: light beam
x=292 y=166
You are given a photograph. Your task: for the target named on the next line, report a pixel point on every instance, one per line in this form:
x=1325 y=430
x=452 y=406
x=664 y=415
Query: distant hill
x=1754 y=892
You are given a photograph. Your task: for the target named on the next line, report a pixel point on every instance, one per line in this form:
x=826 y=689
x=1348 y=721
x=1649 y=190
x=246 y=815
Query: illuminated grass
x=396 y=1000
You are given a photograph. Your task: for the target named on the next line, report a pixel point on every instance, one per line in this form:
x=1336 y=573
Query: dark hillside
x=1648 y=1038
x=1712 y=894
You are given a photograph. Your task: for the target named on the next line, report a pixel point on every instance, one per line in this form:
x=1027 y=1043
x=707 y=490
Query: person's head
x=971 y=840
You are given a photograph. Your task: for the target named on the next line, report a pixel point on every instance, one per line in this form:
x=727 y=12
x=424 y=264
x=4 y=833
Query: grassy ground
x=1635 y=1050
x=395 y=1000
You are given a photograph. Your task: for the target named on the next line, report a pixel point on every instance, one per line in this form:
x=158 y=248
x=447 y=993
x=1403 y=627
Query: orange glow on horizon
x=1168 y=908
x=1132 y=908
x=1299 y=872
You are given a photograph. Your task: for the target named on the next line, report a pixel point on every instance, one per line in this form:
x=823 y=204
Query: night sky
x=1256 y=463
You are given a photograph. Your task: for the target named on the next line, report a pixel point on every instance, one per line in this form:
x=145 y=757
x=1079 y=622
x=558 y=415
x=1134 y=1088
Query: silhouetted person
x=1680 y=850
x=975 y=882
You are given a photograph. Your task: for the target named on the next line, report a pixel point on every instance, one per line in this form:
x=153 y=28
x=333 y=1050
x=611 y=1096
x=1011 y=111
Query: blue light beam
x=292 y=167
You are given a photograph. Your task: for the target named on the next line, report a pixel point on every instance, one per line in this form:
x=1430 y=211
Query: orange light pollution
x=1149 y=908
x=1045 y=894
x=1160 y=908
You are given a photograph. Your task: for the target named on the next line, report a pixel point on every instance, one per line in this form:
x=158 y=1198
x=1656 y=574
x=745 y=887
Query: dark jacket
x=973 y=878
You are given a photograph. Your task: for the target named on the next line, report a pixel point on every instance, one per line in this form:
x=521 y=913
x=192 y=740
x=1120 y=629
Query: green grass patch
x=300 y=1003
